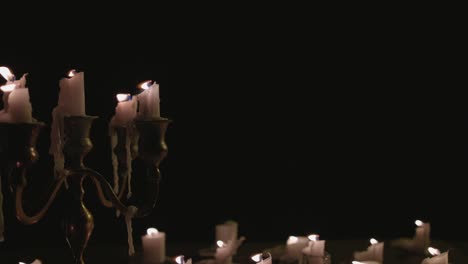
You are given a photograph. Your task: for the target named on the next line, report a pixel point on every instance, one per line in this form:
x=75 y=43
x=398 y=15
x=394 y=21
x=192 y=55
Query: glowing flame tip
x=313 y=237
x=180 y=259
x=418 y=222
x=220 y=243
x=433 y=251
x=123 y=97
x=151 y=231
x=71 y=73
x=257 y=257
x=146 y=85
x=6 y=73
x=373 y=241
x=8 y=87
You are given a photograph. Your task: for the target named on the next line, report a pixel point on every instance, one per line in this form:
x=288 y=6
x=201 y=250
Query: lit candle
x=71 y=102
x=315 y=246
x=125 y=111
x=154 y=246
x=436 y=258
x=227 y=231
x=295 y=245
x=224 y=252
x=181 y=260
x=149 y=101
x=17 y=108
x=365 y=262
x=260 y=259
x=422 y=237
x=374 y=252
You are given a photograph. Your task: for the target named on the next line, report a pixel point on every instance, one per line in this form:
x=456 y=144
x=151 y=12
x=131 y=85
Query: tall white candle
x=422 y=237
x=149 y=101
x=227 y=231
x=260 y=259
x=295 y=245
x=71 y=102
x=154 y=246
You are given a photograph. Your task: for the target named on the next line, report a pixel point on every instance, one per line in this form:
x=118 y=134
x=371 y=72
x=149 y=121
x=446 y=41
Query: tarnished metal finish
x=152 y=149
x=18 y=142
x=77 y=143
x=78 y=220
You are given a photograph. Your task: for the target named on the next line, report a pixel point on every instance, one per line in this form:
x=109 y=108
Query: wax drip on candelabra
x=115 y=162
x=129 y=161
x=132 y=210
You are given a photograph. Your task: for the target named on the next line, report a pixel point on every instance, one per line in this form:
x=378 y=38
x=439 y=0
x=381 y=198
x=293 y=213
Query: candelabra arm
x=20 y=214
x=105 y=190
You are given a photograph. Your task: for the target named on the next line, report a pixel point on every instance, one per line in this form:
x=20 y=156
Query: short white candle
x=224 y=252
x=259 y=259
x=294 y=246
x=365 y=262
x=154 y=246
x=436 y=258
x=227 y=231
x=181 y=260
x=374 y=252
x=149 y=101
x=315 y=246
x=17 y=108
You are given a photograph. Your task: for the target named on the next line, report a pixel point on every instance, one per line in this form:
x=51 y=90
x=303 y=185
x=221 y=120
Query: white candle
x=71 y=102
x=374 y=252
x=125 y=111
x=295 y=245
x=181 y=260
x=224 y=252
x=154 y=246
x=260 y=259
x=17 y=108
x=437 y=259
x=72 y=94
x=227 y=231
x=422 y=235
x=315 y=246
x=149 y=101
x=365 y=262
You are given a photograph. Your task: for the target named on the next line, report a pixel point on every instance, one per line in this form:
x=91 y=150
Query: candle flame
x=220 y=243
x=257 y=257
x=418 y=222
x=123 y=97
x=6 y=73
x=313 y=237
x=433 y=251
x=8 y=87
x=357 y=262
x=292 y=240
x=71 y=73
x=146 y=85
x=373 y=241
x=180 y=259
x=151 y=231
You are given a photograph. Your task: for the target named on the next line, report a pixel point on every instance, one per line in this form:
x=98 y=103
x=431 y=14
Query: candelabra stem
x=79 y=222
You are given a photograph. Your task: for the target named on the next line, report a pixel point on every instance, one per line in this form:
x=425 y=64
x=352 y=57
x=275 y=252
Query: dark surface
x=340 y=250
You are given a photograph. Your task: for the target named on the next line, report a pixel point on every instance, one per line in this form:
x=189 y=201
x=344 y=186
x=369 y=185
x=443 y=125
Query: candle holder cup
x=18 y=152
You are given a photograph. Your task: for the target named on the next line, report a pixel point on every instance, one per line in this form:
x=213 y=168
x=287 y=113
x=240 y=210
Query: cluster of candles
x=71 y=102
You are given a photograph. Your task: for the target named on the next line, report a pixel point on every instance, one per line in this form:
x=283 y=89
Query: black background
x=347 y=134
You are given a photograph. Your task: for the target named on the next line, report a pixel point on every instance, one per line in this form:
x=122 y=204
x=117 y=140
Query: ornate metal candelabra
x=18 y=152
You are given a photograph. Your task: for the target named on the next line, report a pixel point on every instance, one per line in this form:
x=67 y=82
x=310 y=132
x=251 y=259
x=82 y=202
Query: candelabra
x=18 y=152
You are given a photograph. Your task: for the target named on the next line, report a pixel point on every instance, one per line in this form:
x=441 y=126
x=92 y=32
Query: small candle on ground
x=154 y=246
x=295 y=245
x=262 y=258
x=374 y=252
x=315 y=247
x=437 y=257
